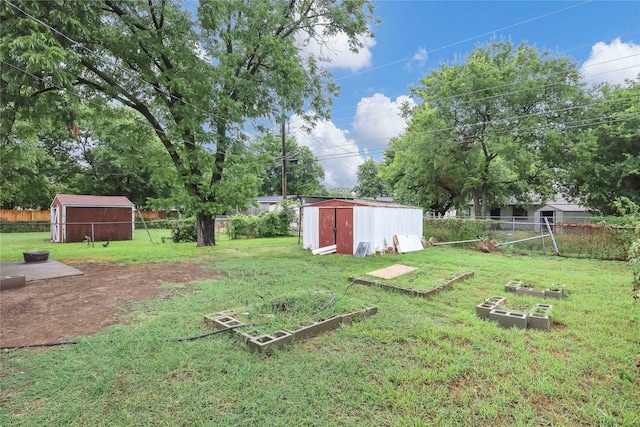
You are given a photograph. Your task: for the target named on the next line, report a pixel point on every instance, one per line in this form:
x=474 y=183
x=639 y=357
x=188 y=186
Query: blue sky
x=418 y=36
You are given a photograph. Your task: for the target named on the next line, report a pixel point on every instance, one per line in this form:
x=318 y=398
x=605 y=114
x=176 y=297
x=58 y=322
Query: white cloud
x=378 y=119
x=336 y=151
x=612 y=63
x=336 y=50
x=418 y=61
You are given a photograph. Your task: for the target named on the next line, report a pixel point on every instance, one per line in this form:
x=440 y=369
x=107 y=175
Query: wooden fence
x=45 y=216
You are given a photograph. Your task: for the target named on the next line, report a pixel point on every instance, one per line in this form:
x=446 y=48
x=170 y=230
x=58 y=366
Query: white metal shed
x=346 y=223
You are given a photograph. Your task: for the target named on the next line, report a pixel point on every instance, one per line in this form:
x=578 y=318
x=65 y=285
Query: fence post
x=553 y=240
x=93 y=239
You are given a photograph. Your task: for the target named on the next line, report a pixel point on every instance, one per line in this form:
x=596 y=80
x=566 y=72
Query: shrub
x=267 y=224
x=184 y=230
x=23 y=226
x=242 y=226
x=455 y=229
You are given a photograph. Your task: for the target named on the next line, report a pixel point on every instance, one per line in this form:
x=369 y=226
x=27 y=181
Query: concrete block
x=12 y=282
x=524 y=291
x=482 y=310
x=512 y=286
x=276 y=340
x=509 y=319
x=540 y=322
x=317 y=328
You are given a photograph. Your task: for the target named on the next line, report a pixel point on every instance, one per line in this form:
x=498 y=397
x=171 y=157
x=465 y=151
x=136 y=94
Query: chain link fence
x=14 y=233
x=575 y=239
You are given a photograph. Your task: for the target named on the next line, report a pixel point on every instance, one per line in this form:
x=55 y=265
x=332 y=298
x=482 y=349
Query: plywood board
x=391 y=272
x=38 y=270
x=408 y=243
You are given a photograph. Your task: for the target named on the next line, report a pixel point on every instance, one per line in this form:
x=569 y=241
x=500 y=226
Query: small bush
x=455 y=229
x=267 y=224
x=184 y=230
x=23 y=226
x=242 y=226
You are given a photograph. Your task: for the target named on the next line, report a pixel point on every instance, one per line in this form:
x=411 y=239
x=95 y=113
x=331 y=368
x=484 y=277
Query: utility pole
x=284 y=163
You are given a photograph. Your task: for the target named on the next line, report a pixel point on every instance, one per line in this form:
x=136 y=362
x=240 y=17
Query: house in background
x=557 y=209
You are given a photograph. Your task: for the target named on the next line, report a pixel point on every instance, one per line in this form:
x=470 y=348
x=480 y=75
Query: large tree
x=604 y=165
x=196 y=76
x=484 y=128
x=304 y=173
x=370 y=183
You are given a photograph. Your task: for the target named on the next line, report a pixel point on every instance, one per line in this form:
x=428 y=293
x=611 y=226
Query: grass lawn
x=416 y=362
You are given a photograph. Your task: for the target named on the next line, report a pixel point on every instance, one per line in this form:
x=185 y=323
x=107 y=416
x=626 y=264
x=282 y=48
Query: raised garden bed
x=261 y=342
x=447 y=286
x=482 y=310
x=538 y=318
x=555 y=290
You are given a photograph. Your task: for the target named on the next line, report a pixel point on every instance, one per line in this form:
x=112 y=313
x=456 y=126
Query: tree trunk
x=205 y=225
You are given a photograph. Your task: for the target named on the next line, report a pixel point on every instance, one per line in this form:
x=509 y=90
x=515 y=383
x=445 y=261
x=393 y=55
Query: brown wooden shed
x=73 y=217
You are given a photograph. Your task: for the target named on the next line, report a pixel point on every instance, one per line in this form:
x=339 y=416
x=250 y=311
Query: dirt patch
x=58 y=309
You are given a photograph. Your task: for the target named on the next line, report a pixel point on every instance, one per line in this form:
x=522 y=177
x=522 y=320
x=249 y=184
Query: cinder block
x=317 y=328
x=512 y=286
x=482 y=310
x=559 y=291
x=509 y=319
x=12 y=282
x=523 y=291
x=277 y=340
x=540 y=322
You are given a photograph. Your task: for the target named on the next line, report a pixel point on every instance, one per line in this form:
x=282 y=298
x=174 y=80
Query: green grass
x=416 y=362
x=139 y=250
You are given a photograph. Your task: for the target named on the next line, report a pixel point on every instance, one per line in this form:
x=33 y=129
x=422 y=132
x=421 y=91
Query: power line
x=569 y=125
x=463 y=94
x=467 y=39
x=511 y=118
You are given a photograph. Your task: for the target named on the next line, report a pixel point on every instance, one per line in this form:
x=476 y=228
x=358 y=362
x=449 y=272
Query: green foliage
x=267 y=224
x=184 y=230
x=487 y=130
x=603 y=166
x=456 y=229
x=634 y=260
x=370 y=183
x=304 y=173
x=242 y=226
x=194 y=76
x=23 y=226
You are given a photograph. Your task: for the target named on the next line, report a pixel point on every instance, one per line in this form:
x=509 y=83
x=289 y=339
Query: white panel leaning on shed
x=310 y=224
x=378 y=225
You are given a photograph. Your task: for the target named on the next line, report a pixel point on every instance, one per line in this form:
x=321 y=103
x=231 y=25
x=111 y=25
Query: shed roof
x=362 y=202
x=84 y=200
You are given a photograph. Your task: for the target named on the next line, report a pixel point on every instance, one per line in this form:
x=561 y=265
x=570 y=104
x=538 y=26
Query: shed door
x=327 y=230
x=344 y=235
x=336 y=228
x=55 y=223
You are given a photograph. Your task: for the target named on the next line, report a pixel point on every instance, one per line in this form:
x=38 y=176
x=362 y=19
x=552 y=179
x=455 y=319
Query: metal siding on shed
x=378 y=225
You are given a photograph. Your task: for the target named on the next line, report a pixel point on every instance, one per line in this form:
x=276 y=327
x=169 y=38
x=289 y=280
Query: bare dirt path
x=58 y=309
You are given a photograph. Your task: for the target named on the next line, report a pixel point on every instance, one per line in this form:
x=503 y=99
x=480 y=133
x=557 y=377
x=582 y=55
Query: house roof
x=557 y=202
x=565 y=207
x=84 y=200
